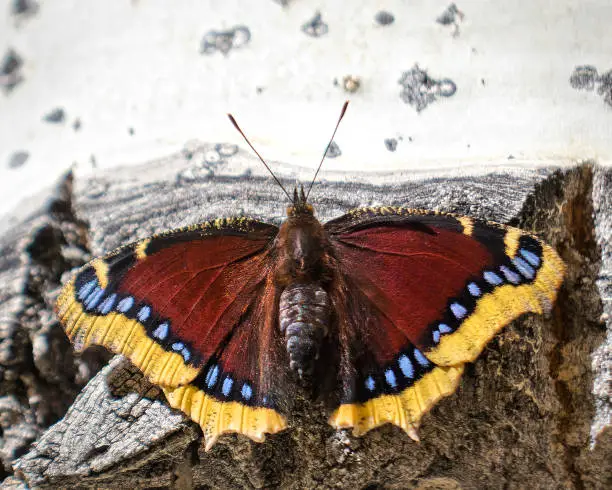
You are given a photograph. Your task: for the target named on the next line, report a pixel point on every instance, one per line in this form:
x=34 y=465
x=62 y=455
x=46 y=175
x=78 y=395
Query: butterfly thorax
x=301 y=244
x=302 y=275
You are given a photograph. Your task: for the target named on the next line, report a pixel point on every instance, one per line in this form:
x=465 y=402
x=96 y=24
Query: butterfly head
x=299 y=207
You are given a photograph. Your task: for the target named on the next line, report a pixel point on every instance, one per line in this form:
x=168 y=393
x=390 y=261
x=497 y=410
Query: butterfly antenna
x=231 y=118
x=327 y=148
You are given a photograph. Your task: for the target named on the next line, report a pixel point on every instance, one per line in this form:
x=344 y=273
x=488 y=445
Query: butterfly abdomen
x=304 y=314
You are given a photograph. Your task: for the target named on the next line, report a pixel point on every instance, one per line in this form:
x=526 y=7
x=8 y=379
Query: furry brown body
x=303 y=273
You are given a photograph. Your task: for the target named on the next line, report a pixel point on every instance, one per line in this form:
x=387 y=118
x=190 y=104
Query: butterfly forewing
x=188 y=306
x=241 y=388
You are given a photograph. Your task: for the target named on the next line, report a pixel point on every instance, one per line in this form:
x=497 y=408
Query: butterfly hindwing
x=383 y=378
x=437 y=287
x=239 y=387
x=186 y=308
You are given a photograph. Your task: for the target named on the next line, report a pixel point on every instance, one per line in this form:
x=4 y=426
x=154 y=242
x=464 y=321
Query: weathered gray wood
x=117 y=418
x=39 y=374
x=207 y=181
x=522 y=416
x=602 y=357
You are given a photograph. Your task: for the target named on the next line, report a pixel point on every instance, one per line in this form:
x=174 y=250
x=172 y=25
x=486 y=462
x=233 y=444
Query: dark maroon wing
x=188 y=306
x=423 y=294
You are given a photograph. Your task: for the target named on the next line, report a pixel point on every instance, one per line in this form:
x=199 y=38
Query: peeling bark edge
x=40 y=375
x=602 y=357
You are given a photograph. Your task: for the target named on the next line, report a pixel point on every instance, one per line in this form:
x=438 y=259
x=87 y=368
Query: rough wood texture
x=602 y=357
x=522 y=416
x=39 y=374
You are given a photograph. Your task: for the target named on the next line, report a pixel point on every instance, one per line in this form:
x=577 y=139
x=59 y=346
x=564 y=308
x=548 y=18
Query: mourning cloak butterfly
x=385 y=305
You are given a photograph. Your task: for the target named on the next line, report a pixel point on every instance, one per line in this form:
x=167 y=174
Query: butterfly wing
x=238 y=389
x=383 y=377
x=435 y=290
x=185 y=307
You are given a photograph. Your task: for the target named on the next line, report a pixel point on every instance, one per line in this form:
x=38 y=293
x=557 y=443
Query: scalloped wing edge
x=404 y=409
x=497 y=309
x=217 y=418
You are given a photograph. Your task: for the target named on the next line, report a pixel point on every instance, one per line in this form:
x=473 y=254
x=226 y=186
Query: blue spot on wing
x=107 y=305
x=370 y=384
x=444 y=328
x=94 y=298
x=86 y=289
x=211 y=376
x=390 y=378
x=226 y=388
x=406 y=366
x=530 y=257
x=180 y=348
x=143 y=314
x=420 y=358
x=436 y=336
x=161 y=332
x=125 y=304
x=492 y=278
x=246 y=391
x=458 y=310
x=510 y=275
x=523 y=267
x=474 y=289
